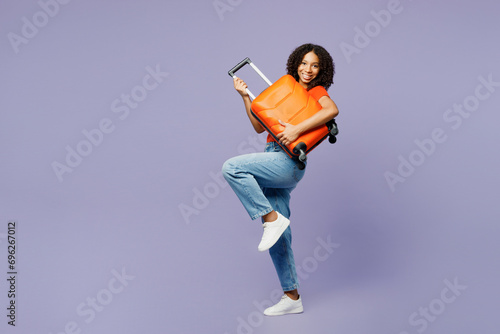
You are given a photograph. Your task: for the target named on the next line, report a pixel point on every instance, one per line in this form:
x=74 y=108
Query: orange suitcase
x=288 y=101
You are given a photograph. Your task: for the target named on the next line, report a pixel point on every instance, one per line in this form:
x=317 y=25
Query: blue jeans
x=263 y=183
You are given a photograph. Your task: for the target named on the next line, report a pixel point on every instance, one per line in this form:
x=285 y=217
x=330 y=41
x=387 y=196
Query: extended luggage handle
x=242 y=63
x=237 y=67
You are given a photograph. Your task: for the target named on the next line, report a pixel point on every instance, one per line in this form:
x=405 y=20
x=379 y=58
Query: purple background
x=120 y=208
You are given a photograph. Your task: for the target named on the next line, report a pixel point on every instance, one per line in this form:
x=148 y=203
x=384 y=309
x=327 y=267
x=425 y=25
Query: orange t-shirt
x=317 y=93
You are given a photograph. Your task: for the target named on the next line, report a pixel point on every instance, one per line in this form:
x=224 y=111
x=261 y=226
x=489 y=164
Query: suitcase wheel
x=302 y=156
x=300 y=149
x=334 y=131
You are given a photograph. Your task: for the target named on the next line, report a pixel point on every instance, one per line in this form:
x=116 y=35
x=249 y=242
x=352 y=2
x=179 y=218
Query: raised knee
x=227 y=169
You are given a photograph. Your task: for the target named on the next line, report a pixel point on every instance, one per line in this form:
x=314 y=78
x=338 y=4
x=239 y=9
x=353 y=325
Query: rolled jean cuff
x=260 y=214
x=293 y=287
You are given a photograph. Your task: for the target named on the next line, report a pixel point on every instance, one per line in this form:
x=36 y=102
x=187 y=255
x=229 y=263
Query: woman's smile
x=308 y=69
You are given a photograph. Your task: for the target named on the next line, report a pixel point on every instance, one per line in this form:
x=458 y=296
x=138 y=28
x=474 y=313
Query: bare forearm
x=292 y=132
x=241 y=87
x=255 y=123
x=320 y=118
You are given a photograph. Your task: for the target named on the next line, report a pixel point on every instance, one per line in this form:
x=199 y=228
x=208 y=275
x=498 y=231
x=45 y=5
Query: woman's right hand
x=240 y=86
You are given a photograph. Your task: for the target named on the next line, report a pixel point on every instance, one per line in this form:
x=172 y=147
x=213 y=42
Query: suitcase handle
x=243 y=63
x=237 y=67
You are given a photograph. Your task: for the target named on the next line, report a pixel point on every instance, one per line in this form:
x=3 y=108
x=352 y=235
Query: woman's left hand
x=289 y=134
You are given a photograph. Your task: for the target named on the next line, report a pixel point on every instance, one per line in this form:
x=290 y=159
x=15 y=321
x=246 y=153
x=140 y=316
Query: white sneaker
x=285 y=306
x=272 y=232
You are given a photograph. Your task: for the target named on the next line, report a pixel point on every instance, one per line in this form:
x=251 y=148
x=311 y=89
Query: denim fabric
x=263 y=183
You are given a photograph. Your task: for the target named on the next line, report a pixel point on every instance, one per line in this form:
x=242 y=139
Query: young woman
x=263 y=181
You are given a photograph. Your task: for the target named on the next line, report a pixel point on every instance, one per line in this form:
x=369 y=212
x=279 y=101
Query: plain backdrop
x=116 y=118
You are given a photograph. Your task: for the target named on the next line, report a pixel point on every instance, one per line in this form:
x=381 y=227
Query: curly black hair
x=326 y=65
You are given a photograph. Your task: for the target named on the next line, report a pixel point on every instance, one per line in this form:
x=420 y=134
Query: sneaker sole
x=295 y=311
